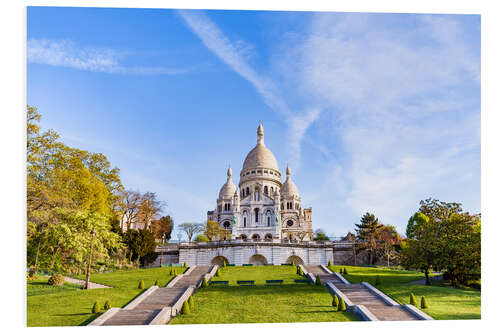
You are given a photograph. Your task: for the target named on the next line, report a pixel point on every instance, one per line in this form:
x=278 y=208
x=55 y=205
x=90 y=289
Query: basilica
x=262 y=207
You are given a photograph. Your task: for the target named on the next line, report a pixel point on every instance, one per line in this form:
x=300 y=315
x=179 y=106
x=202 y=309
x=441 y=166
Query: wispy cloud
x=66 y=53
x=406 y=109
x=234 y=55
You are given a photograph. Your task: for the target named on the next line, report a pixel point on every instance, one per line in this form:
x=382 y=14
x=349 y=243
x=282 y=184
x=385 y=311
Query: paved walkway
x=361 y=295
x=92 y=285
x=150 y=306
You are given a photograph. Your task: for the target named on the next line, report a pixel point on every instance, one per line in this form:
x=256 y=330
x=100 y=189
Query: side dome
x=260 y=156
x=228 y=189
x=289 y=188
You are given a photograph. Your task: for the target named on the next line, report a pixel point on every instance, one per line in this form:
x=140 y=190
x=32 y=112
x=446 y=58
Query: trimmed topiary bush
x=318 y=281
x=107 y=305
x=141 y=285
x=413 y=299
x=217 y=272
x=171 y=271
x=293 y=263
x=185 y=265
x=378 y=281
x=345 y=271
x=204 y=283
x=156 y=283
x=185 y=308
x=96 y=308
x=342 y=306
x=191 y=303
x=224 y=263
x=56 y=280
x=335 y=302
x=423 y=303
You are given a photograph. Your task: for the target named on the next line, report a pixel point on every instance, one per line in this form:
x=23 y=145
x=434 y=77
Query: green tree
x=201 y=238
x=368 y=233
x=141 y=244
x=320 y=235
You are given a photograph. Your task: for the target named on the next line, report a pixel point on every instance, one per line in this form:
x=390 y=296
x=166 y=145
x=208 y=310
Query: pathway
x=92 y=285
x=379 y=305
x=157 y=305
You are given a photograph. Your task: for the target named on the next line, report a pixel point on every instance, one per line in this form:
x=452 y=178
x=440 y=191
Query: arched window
x=228 y=206
x=244 y=221
x=256 y=215
x=265 y=190
x=226 y=225
x=282 y=206
x=257 y=194
x=248 y=191
x=268 y=218
x=272 y=190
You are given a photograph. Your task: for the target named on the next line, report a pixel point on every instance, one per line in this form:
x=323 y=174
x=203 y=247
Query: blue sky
x=374 y=112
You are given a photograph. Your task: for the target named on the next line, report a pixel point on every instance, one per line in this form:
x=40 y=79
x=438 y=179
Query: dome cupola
x=289 y=189
x=260 y=156
x=228 y=189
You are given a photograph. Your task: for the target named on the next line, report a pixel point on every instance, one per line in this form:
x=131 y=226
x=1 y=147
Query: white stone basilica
x=263 y=208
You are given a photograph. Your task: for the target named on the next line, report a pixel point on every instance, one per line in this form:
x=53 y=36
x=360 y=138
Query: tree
x=444 y=237
x=368 y=233
x=149 y=209
x=201 y=238
x=320 y=235
x=162 y=228
x=213 y=230
x=191 y=229
x=141 y=244
x=391 y=242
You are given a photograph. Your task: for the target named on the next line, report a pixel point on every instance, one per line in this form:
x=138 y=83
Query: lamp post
x=87 y=279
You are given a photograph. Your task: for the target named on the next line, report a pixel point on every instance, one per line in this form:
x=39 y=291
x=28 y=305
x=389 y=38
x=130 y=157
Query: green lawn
x=445 y=303
x=69 y=306
x=262 y=304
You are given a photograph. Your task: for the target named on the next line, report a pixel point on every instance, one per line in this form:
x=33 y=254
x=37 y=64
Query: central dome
x=260 y=156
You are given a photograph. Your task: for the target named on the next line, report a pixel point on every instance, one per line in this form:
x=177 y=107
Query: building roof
x=260 y=156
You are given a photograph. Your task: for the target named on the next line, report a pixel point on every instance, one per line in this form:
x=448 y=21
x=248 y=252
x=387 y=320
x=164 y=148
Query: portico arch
x=296 y=259
x=219 y=260
x=257 y=260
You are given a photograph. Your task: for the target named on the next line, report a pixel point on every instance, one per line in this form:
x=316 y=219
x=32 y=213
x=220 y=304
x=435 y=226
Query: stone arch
x=257 y=260
x=296 y=259
x=268 y=236
x=256 y=237
x=219 y=260
x=244 y=237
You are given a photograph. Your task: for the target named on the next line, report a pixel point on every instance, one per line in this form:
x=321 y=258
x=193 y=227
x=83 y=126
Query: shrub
x=329 y=263
x=171 y=271
x=345 y=271
x=224 y=263
x=293 y=263
x=413 y=299
x=217 y=272
x=423 y=303
x=301 y=272
x=342 y=306
x=185 y=265
x=185 y=308
x=107 y=305
x=156 y=283
x=204 y=283
x=141 y=285
x=335 y=302
x=96 y=308
x=191 y=303
x=298 y=270
x=318 y=281
x=378 y=281
x=56 y=280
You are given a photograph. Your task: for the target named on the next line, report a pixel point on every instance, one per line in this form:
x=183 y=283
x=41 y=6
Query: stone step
x=160 y=298
x=131 y=317
x=387 y=312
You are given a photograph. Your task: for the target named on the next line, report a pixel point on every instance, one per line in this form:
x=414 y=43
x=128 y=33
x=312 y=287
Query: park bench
x=286 y=264
x=225 y=283
x=247 y=264
x=271 y=282
x=302 y=281
x=246 y=282
x=230 y=265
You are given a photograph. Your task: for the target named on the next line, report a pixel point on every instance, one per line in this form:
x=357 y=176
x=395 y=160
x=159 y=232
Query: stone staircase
x=148 y=306
x=364 y=297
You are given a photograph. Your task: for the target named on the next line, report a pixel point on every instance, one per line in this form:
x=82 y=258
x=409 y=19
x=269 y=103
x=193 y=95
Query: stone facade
x=262 y=207
x=239 y=252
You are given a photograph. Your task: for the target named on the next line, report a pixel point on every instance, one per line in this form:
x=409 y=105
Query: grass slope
x=445 y=303
x=262 y=304
x=68 y=306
